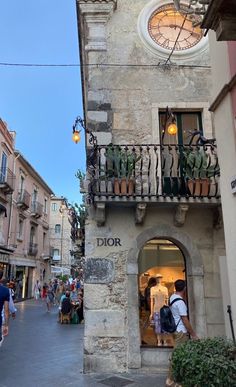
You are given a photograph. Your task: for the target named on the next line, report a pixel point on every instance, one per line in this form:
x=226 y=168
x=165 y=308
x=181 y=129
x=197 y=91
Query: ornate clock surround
x=158 y=50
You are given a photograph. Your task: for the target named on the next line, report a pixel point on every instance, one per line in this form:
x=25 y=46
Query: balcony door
x=187 y=124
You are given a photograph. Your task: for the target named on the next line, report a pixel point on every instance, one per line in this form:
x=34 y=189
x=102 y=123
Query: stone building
x=221 y=19
x=60 y=236
x=145 y=69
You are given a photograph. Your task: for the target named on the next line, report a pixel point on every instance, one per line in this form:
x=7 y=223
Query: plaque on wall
x=98 y=271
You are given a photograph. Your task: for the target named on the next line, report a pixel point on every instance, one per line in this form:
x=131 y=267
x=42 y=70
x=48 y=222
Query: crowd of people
x=67 y=296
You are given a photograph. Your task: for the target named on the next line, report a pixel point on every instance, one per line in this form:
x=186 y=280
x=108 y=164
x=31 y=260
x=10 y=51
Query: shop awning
x=22 y=262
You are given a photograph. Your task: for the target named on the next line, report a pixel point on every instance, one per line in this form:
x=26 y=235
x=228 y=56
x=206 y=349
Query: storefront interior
x=162 y=260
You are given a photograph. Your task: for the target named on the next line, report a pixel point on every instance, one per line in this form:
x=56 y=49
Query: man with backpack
x=183 y=326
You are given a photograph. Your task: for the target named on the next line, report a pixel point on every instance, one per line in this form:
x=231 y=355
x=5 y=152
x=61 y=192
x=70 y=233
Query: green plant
x=205 y=363
x=120 y=162
x=80 y=175
x=196 y=163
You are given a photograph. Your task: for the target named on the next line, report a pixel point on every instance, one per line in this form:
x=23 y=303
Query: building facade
x=29 y=228
x=7 y=185
x=150 y=213
x=24 y=223
x=60 y=237
x=220 y=19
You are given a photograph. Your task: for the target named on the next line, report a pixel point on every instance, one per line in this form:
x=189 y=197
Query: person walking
x=4 y=303
x=37 y=289
x=183 y=327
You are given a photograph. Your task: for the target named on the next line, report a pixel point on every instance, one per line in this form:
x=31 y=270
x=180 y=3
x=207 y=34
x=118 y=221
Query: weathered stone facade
x=123 y=96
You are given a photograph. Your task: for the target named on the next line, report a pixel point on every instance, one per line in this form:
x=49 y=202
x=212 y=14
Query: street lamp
x=79 y=124
x=170 y=122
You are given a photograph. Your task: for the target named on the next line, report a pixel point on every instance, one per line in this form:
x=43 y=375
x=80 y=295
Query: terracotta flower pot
x=199 y=187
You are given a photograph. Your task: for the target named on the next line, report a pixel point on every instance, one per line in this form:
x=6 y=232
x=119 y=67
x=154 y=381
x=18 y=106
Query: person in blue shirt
x=4 y=302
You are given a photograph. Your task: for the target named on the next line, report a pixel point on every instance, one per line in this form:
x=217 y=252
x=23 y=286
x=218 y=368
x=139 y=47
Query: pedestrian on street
x=49 y=297
x=4 y=302
x=183 y=326
x=37 y=289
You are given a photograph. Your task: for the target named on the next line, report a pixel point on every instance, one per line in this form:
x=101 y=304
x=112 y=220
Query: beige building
x=29 y=227
x=24 y=223
x=60 y=237
x=7 y=185
x=220 y=18
x=153 y=189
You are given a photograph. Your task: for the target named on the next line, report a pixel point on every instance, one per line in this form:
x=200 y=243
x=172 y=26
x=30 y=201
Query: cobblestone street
x=40 y=352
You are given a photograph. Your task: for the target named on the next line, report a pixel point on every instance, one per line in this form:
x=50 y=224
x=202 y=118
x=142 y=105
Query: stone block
x=211 y=285
x=214 y=311
x=100 y=363
x=96 y=297
x=99 y=271
x=153 y=357
x=105 y=323
x=97 y=116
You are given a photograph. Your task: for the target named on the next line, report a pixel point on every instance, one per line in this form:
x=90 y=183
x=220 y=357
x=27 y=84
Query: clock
x=170 y=29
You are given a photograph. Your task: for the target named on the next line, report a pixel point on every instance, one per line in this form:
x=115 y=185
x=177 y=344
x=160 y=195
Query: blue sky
x=41 y=104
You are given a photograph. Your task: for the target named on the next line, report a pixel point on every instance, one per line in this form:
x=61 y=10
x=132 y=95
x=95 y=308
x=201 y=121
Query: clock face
x=170 y=29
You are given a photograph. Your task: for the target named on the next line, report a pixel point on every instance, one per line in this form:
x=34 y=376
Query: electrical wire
x=169 y=64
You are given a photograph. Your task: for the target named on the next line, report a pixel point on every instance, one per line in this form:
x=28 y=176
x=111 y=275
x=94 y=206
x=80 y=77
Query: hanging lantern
x=172 y=129
x=76 y=136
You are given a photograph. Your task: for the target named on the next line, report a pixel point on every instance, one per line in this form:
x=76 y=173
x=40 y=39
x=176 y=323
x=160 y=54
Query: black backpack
x=166 y=317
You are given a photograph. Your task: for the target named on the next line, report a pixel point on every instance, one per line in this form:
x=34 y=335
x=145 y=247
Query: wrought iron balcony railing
x=36 y=209
x=151 y=171
x=23 y=199
x=7 y=180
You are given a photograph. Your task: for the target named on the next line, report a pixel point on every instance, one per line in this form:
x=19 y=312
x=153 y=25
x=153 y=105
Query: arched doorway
x=194 y=275
x=160 y=264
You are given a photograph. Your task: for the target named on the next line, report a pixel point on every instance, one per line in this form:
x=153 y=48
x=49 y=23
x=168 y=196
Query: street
x=40 y=352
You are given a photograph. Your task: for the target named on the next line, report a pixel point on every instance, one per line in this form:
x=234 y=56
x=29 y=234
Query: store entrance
x=160 y=263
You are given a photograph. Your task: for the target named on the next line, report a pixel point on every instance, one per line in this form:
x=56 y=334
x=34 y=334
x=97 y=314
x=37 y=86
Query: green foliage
x=80 y=175
x=197 y=164
x=81 y=213
x=120 y=162
x=205 y=363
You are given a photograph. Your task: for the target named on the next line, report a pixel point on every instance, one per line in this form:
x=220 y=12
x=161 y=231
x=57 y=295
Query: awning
x=22 y=262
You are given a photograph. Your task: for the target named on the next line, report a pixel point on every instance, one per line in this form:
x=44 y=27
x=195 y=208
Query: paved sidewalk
x=39 y=352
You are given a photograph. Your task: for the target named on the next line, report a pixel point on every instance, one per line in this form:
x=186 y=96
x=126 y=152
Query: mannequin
x=159 y=297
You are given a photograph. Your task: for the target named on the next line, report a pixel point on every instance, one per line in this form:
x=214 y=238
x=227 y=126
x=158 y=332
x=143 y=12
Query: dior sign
x=108 y=242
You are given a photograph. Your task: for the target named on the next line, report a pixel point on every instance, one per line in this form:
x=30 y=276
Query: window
x=187 y=123
x=57 y=229
x=22 y=182
x=54 y=207
x=56 y=252
x=20 y=229
x=45 y=205
x=3 y=168
x=32 y=235
x=44 y=239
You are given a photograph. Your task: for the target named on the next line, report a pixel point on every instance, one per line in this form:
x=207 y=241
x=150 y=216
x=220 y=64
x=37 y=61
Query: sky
x=39 y=103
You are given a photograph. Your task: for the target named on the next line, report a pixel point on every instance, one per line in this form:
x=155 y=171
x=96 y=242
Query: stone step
x=155 y=357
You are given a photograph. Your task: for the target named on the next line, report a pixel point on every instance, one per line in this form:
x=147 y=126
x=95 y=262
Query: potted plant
x=198 y=170
x=120 y=165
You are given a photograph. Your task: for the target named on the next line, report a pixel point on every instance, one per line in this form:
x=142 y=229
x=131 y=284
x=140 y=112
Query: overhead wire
x=159 y=64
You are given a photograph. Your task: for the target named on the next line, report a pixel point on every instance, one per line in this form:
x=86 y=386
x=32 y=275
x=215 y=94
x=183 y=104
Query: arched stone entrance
x=194 y=275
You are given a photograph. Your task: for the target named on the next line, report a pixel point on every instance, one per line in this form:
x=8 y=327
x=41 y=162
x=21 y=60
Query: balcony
x=154 y=174
x=36 y=209
x=23 y=199
x=7 y=181
x=33 y=249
